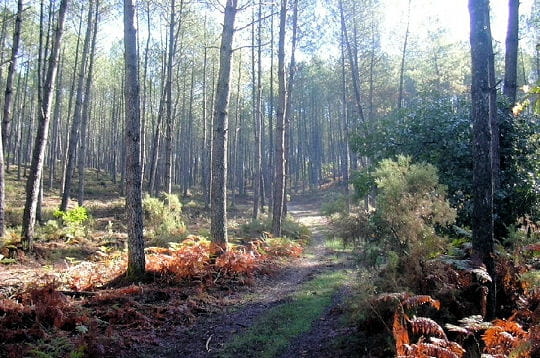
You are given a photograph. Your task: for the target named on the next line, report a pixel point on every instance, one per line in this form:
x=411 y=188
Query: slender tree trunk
x=279 y=169
x=482 y=219
x=353 y=64
x=86 y=108
x=76 y=123
x=403 y=55
x=219 y=150
x=38 y=155
x=511 y=53
x=288 y=103
x=6 y=121
x=134 y=211
x=168 y=94
x=257 y=88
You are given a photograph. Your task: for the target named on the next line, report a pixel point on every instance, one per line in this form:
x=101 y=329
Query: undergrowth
x=80 y=313
x=406 y=258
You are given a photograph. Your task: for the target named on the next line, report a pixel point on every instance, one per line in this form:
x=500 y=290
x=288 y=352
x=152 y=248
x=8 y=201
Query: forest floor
x=299 y=312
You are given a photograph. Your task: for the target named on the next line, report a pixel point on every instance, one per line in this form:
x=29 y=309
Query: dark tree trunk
x=482 y=219
x=218 y=208
x=38 y=154
x=134 y=211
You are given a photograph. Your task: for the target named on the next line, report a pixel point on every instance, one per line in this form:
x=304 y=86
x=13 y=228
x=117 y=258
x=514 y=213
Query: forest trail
x=224 y=334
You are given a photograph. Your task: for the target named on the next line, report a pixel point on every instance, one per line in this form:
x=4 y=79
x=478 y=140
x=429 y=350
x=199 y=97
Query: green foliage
x=433 y=129
x=410 y=206
x=521 y=177
x=163 y=218
x=262 y=227
x=337 y=205
x=69 y=224
x=363 y=182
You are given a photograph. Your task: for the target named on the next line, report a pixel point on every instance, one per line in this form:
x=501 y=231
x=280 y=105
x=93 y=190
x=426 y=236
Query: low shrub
x=69 y=224
x=163 y=219
x=263 y=227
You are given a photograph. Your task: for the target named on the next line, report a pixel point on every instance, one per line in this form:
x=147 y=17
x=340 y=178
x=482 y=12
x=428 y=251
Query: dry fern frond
x=503 y=337
x=450 y=345
x=415 y=301
x=429 y=350
x=426 y=327
x=401 y=335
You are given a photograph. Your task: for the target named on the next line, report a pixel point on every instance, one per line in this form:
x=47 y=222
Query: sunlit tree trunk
x=279 y=159
x=38 y=154
x=403 y=55
x=77 y=115
x=218 y=225
x=85 y=115
x=134 y=211
x=6 y=120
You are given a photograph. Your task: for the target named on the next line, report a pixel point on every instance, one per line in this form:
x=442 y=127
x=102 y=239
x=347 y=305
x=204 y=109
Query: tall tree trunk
x=353 y=63
x=38 y=154
x=503 y=206
x=279 y=159
x=403 y=55
x=511 y=53
x=77 y=115
x=168 y=94
x=6 y=121
x=5 y=132
x=134 y=211
x=482 y=219
x=288 y=102
x=86 y=109
x=218 y=209
x=257 y=88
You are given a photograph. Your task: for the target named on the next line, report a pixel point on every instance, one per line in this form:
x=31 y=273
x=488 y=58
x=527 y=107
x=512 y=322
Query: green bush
x=289 y=228
x=163 y=218
x=337 y=205
x=69 y=224
x=411 y=205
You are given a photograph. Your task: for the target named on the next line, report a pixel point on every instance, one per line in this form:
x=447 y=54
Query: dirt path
x=207 y=337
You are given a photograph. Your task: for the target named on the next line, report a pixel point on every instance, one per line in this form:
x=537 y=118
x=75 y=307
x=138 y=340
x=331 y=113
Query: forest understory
x=250 y=178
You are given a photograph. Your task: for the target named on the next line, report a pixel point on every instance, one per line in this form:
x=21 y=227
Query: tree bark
x=511 y=53
x=482 y=219
x=219 y=149
x=279 y=159
x=134 y=211
x=6 y=120
x=403 y=55
x=38 y=153
x=77 y=115
x=85 y=111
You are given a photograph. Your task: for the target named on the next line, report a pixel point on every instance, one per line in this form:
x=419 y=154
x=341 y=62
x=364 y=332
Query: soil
x=210 y=333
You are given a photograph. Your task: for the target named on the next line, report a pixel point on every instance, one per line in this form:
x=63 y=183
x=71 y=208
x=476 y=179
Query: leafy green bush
x=410 y=206
x=163 y=218
x=69 y=224
x=262 y=227
x=337 y=205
